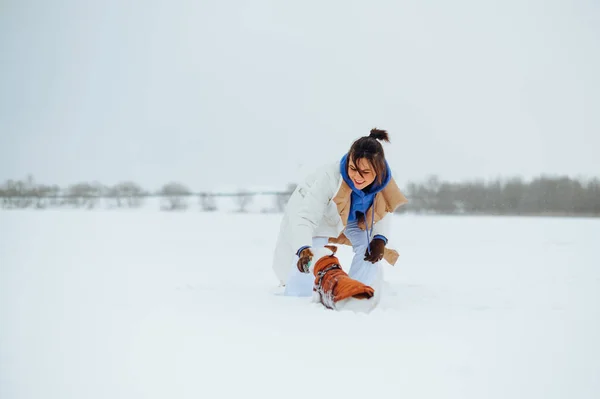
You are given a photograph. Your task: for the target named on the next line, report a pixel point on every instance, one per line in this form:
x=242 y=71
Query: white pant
x=301 y=284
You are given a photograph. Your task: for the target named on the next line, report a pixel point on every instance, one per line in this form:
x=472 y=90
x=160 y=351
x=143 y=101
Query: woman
x=345 y=202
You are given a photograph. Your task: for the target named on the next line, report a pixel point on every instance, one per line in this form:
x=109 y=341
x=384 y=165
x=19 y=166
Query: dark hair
x=369 y=148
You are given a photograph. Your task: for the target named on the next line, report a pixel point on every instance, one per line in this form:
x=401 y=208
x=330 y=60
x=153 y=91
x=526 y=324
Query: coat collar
x=386 y=201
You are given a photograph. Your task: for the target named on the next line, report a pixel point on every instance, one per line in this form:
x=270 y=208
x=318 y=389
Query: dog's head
x=321 y=252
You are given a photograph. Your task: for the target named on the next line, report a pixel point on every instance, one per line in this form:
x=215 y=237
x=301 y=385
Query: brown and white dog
x=334 y=288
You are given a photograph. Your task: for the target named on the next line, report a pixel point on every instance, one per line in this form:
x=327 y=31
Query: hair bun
x=379 y=134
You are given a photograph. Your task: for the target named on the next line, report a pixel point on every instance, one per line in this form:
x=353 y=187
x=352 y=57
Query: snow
x=150 y=304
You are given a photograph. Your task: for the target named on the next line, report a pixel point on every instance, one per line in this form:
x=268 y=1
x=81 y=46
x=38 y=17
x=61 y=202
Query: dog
x=334 y=289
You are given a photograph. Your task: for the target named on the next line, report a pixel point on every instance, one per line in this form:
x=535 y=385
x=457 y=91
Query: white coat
x=319 y=207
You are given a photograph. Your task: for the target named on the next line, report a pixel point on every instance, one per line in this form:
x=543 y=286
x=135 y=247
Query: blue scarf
x=361 y=200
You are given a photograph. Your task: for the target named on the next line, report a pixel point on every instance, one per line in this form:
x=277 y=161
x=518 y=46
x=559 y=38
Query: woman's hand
x=375 y=251
x=303 y=263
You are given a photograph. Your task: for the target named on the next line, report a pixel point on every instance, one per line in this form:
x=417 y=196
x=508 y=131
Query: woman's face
x=368 y=173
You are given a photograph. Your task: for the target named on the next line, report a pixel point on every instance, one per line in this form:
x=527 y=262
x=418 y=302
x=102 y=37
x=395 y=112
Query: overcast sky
x=253 y=93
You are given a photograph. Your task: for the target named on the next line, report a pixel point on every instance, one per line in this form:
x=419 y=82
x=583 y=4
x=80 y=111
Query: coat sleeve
x=312 y=198
x=383 y=226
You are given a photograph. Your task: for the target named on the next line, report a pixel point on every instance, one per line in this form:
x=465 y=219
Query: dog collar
x=325 y=262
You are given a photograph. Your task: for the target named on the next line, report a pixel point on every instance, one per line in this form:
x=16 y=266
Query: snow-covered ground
x=149 y=304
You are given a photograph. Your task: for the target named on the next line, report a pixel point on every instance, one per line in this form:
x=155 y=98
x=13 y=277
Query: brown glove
x=375 y=251
x=303 y=263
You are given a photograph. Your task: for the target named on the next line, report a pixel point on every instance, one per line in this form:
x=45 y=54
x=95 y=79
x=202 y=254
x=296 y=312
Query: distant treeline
x=560 y=196
x=540 y=196
x=175 y=196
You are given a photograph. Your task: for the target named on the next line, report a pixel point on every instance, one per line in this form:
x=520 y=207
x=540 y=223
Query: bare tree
x=4 y=195
x=126 y=194
x=174 y=196
x=591 y=197
x=513 y=194
x=46 y=196
x=243 y=199
x=84 y=194
x=18 y=194
x=208 y=202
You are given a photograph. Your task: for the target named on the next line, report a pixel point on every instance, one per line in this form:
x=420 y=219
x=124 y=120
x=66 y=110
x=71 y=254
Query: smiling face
x=366 y=170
